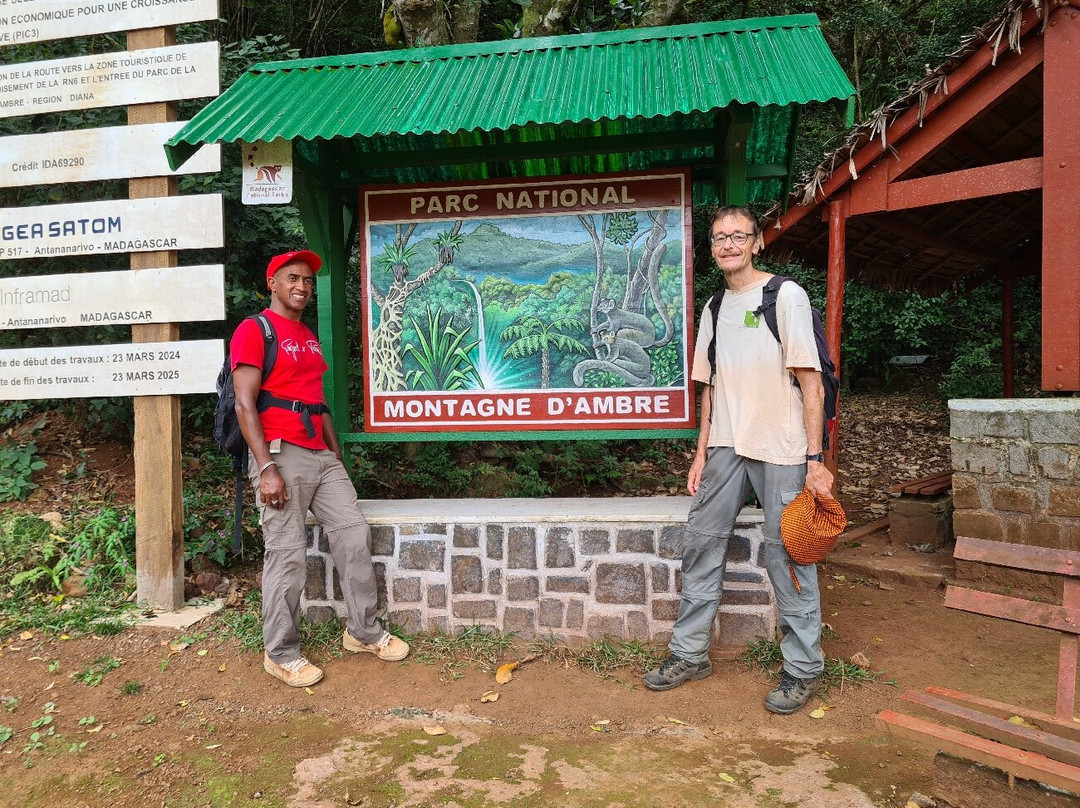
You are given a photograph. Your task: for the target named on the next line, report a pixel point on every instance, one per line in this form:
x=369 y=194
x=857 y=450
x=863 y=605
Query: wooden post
x=834 y=305
x=1061 y=203
x=159 y=537
x=1008 y=338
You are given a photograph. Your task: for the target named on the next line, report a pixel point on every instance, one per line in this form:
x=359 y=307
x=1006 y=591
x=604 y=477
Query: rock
x=74 y=586
x=207 y=582
x=918 y=800
x=222 y=589
x=190 y=590
x=54 y=518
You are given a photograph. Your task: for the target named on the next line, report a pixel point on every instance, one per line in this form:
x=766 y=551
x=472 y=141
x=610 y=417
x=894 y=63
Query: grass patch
x=475 y=646
x=764 y=655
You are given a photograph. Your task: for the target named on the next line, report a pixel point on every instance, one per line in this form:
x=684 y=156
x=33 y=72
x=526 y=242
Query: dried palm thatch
x=1005 y=27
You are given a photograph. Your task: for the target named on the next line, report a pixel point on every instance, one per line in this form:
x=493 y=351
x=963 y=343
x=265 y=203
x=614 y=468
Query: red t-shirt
x=296 y=375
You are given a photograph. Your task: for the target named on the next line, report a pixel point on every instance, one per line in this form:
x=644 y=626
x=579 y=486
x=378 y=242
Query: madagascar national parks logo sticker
x=267 y=172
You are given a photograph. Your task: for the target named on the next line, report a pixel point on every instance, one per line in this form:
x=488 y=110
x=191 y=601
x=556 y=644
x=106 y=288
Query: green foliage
x=18 y=462
x=104 y=548
x=442 y=354
x=93 y=675
x=666 y=366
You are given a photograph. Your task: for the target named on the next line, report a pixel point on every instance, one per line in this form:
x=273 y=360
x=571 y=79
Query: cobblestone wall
x=546 y=567
x=1016 y=478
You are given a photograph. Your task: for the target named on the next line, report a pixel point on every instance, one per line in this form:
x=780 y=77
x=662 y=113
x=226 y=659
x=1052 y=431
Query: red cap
x=307 y=256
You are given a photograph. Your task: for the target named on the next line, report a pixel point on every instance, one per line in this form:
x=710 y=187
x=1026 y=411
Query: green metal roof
x=434 y=98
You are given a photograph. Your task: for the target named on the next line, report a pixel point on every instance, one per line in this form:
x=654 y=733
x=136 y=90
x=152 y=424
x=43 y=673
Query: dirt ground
x=200 y=724
x=208 y=727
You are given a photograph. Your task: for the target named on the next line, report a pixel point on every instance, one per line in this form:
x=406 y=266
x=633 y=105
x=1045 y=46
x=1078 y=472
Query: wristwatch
x=819 y=457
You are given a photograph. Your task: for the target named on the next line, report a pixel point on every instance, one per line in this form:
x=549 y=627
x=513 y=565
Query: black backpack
x=829 y=379
x=227 y=433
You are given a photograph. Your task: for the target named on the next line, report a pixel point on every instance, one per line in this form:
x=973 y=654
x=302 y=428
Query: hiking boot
x=674 y=671
x=388 y=648
x=791 y=693
x=298 y=673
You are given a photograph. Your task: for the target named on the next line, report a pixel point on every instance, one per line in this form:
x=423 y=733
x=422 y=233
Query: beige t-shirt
x=756 y=409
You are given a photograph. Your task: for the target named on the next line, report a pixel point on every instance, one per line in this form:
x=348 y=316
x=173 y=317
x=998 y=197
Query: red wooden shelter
x=973 y=174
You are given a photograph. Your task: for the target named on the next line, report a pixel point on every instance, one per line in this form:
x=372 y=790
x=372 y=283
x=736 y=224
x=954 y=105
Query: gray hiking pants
x=317 y=481
x=724 y=485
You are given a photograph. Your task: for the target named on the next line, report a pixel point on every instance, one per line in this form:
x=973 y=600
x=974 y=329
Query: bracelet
x=267 y=465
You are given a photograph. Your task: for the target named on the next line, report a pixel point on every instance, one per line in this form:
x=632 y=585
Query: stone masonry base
x=573 y=569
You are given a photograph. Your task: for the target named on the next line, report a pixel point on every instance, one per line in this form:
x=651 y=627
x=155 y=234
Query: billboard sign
x=24 y=21
x=110 y=79
x=112 y=226
x=128 y=297
x=108 y=153
x=92 y=371
x=528 y=305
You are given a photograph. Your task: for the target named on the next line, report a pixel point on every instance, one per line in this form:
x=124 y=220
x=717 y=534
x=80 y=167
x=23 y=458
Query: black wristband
x=819 y=457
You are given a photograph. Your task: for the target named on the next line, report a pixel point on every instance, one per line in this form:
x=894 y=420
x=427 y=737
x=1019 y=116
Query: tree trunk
x=422 y=22
x=545 y=368
x=664 y=12
x=545 y=17
x=464 y=20
x=387 y=373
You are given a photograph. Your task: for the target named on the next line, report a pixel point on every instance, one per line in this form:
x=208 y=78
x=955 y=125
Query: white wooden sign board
x=128 y=297
x=38 y=20
x=108 y=153
x=93 y=371
x=112 y=226
x=110 y=79
x=267 y=173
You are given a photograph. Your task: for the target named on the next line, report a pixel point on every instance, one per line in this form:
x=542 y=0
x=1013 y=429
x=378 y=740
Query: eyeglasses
x=738 y=239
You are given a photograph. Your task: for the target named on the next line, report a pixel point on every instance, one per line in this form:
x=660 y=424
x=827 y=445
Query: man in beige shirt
x=758 y=429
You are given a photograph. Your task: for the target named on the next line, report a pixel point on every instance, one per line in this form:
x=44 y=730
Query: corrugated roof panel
x=641 y=73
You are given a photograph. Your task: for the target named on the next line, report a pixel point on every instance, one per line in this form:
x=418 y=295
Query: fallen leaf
x=676 y=721
x=212 y=746
x=221 y=669
x=505 y=672
x=727 y=778
x=178 y=645
x=603 y=722
x=489 y=695
x=309 y=691
x=859 y=658
x=596 y=728
x=49 y=686
x=65 y=636
x=35 y=659
x=878 y=639
x=183 y=703
x=26 y=635
x=1020 y=721
x=201 y=652
x=358 y=801
x=435 y=730
x=95 y=728
x=818 y=713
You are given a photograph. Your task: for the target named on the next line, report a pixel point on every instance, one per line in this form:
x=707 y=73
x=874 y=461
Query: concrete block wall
x=573 y=569
x=1016 y=478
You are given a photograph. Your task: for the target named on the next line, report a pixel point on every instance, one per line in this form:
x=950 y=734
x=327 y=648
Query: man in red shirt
x=295 y=466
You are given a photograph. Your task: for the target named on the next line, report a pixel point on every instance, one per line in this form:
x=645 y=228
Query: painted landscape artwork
x=527 y=305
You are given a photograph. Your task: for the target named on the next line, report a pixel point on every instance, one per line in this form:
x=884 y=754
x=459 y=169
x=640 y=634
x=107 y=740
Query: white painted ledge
x=560 y=510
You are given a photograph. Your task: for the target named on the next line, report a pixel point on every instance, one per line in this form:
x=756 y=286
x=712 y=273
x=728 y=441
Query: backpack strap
x=768 y=302
x=714 y=309
x=270 y=343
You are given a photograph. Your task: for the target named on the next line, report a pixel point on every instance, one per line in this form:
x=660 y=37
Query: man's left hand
x=819 y=480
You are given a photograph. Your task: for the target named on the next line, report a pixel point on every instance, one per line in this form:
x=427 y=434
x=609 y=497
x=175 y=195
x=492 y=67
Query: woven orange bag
x=809 y=527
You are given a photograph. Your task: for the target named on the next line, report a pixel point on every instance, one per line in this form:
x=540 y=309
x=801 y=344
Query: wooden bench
x=1040 y=747
x=931 y=485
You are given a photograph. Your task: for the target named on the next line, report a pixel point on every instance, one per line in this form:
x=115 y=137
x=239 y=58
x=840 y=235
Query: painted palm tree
x=530 y=334
x=387 y=373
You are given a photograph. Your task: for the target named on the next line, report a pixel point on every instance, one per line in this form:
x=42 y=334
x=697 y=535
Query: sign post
x=159 y=503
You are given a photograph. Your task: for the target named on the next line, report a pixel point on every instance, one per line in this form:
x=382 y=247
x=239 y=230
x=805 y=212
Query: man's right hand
x=272 y=489
x=693 y=478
